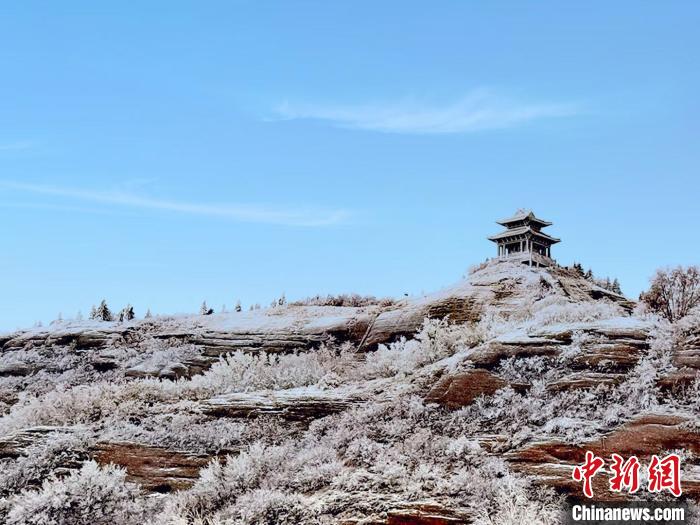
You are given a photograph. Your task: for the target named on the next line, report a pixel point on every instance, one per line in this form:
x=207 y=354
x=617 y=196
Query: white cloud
x=479 y=110
x=238 y=212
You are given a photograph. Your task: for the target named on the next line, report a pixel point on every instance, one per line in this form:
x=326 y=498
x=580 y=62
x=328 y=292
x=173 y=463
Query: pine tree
x=93 y=312
x=223 y=309
x=79 y=316
x=616 y=287
x=103 y=312
x=127 y=313
x=148 y=314
x=589 y=275
x=238 y=306
x=204 y=309
x=282 y=300
x=607 y=284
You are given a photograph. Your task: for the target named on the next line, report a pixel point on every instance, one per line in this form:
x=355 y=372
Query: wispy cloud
x=477 y=111
x=238 y=212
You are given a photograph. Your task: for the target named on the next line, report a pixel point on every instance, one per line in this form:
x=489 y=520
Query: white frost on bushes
x=89 y=496
x=371 y=458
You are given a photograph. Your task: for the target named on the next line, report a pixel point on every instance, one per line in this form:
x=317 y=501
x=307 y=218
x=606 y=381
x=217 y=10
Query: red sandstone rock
x=552 y=462
x=155 y=469
x=425 y=514
x=461 y=389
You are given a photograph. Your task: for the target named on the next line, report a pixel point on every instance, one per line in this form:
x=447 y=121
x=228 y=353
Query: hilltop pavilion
x=523 y=240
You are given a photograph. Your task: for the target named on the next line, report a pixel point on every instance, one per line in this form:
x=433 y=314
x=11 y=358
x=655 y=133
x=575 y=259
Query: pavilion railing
x=528 y=256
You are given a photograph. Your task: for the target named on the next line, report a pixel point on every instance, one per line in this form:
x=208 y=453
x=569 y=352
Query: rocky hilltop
x=400 y=413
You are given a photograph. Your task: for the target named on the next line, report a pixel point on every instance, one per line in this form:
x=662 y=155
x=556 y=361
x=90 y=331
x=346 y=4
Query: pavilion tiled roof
x=522 y=215
x=521 y=230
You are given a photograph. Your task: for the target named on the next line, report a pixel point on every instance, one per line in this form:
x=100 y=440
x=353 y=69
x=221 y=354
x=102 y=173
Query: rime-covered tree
x=148 y=314
x=79 y=316
x=282 y=300
x=674 y=292
x=126 y=313
x=103 y=313
x=205 y=310
x=238 y=306
x=223 y=309
x=589 y=274
x=93 y=312
x=616 y=286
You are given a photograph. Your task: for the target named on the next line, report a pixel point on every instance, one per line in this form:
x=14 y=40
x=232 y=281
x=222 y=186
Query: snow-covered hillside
x=469 y=405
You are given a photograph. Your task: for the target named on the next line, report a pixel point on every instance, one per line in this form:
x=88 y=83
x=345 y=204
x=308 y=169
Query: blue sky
x=180 y=151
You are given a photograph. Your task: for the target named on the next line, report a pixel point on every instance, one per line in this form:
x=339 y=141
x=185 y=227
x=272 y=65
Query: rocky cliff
x=514 y=337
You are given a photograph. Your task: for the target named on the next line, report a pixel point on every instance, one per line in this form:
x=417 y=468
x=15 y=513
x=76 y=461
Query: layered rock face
x=606 y=356
x=296 y=328
x=577 y=355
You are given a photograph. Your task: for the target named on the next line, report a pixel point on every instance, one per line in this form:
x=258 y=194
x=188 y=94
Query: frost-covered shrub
x=515 y=503
x=524 y=369
x=264 y=506
x=63 y=406
x=89 y=496
x=640 y=389
x=40 y=460
x=435 y=340
x=674 y=292
x=85 y=404
x=570 y=415
x=50 y=366
x=354 y=300
x=180 y=431
x=556 y=309
x=290 y=466
x=239 y=371
x=494 y=322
